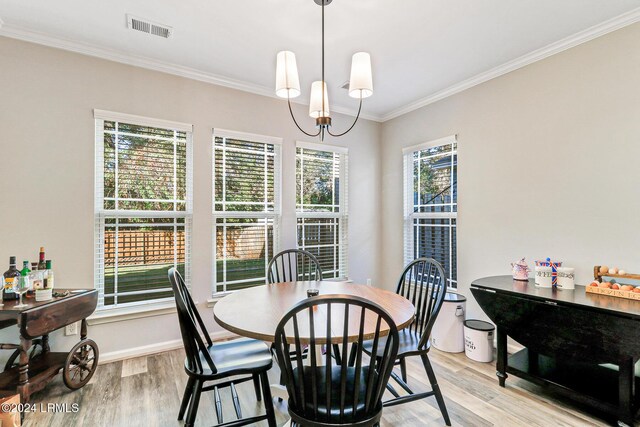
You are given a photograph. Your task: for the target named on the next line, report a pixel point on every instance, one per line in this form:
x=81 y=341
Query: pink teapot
x=520 y=270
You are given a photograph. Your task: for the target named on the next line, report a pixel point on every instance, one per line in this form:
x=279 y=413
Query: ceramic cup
x=566 y=278
x=554 y=266
x=544 y=277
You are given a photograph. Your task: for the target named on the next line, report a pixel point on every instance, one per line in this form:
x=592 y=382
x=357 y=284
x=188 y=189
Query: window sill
x=129 y=313
x=217 y=297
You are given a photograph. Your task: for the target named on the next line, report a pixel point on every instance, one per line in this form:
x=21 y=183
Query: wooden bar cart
x=33 y=365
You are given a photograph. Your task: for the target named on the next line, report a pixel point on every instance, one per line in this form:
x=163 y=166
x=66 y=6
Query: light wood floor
x=146 y=391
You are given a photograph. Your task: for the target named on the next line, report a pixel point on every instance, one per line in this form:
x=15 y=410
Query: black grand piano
x=579 y=344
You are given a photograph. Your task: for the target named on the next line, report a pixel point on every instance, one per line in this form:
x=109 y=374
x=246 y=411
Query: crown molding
x=19 y=33
x=574 y=40
x=136 y=60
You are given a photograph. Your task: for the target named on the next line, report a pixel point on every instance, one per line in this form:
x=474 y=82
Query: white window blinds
x=143 y=207
x=321 y=205
x=431 y=204
x=246 y=208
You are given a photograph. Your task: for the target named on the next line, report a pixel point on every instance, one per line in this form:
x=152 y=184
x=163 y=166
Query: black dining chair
x=423 y=283
x=242 y=359
x=294 y=265
x=335 y=394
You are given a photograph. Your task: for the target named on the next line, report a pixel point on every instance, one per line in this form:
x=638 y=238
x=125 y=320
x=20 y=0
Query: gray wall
x=547 y=166
x=47 y=181
x=548 y=163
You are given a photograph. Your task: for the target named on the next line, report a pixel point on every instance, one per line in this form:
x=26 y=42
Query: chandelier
x=288 y=86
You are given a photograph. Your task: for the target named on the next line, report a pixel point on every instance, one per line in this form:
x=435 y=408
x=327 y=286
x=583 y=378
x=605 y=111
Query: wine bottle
x=48 y=276
x=24 y=275
x=10 y=280
x=41 y=263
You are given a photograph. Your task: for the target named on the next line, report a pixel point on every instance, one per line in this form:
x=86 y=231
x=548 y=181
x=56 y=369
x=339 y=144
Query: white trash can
x=478 y=340
x=448 y=331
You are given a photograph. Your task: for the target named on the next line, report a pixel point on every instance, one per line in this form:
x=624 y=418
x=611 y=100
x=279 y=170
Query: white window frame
x=101 y=214
x=342 y=216
x=410 y=216
x=274 y=216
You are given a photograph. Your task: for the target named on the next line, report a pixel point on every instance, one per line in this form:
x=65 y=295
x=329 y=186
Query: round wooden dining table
x=255 y=312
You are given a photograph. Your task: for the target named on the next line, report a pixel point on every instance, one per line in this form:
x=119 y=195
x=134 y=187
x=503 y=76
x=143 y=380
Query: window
x=143 y=207
x=321 y=205
x=246 y=208
x=431 y=203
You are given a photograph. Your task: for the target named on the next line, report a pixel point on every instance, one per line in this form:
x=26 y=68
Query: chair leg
x=256 y=387
x=436 y=388
x=273 y=350
x=193 y=404
x=353 y=353
x=281 y=383
x=185 y=398
x=403 y=369
x=268 y=400
x=336 y=354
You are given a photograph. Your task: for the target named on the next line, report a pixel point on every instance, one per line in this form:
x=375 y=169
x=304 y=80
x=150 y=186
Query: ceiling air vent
x=149 y=27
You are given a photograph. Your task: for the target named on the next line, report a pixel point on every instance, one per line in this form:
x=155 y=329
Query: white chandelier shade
x=319 y=105
x=287 y=81
x=361 y=81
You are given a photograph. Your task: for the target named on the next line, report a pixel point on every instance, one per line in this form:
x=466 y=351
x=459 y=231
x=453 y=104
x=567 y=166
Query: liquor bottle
x=24 y=275
x=10 y=280
x=48 y=276
x=36 y=278
x=41 y=263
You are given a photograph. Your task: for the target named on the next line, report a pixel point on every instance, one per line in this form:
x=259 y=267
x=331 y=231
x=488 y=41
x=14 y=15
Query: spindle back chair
x=242 y=359
x=293 y=265
x=335 y=393
x=423 y=283
x=195 y=337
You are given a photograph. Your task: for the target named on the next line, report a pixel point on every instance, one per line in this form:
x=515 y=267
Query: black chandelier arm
x=296 y=122
x=352 y=125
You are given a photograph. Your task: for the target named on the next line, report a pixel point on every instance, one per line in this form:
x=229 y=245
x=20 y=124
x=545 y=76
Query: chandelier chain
x=323 y=82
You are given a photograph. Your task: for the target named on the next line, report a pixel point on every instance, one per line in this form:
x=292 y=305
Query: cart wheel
x=34 y=350
x=81 y=364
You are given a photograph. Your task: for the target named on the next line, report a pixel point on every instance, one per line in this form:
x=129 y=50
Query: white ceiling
x=420 y=49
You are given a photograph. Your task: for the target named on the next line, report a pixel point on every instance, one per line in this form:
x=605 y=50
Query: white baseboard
x=114 y=356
